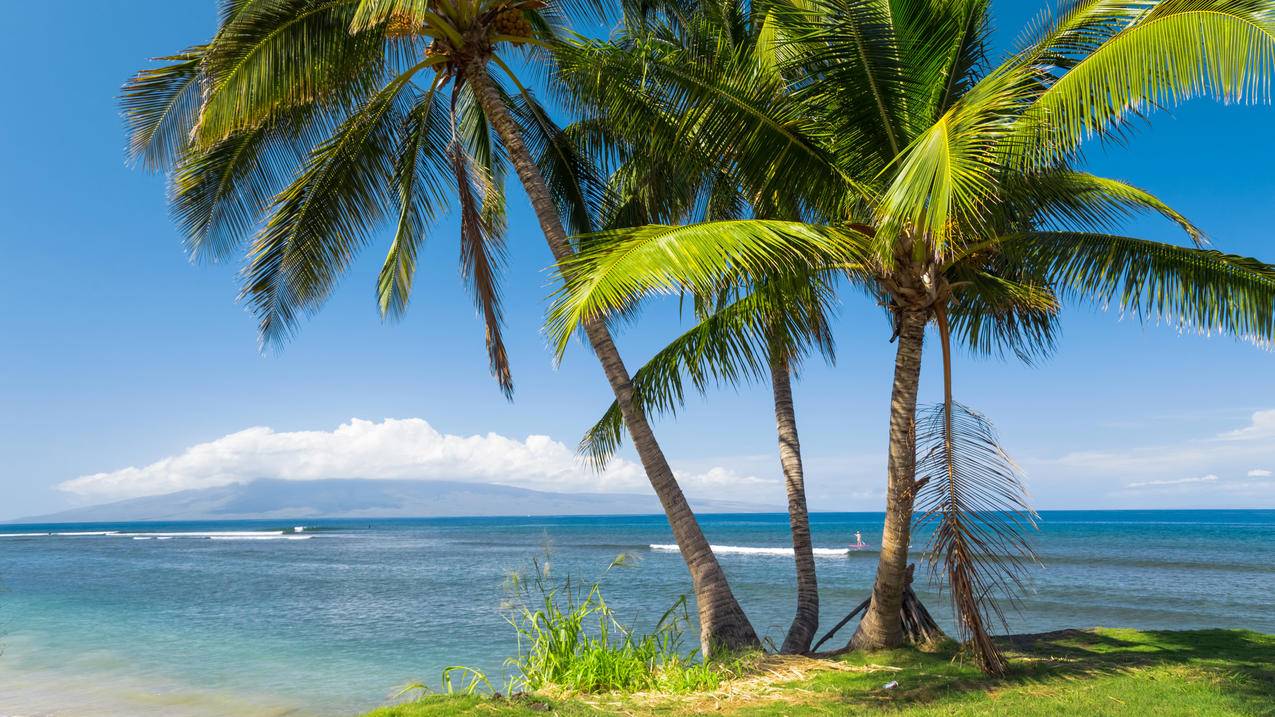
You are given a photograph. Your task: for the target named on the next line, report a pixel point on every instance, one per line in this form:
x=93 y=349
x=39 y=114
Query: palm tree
x=959 y=204
x=323 y=120
x=760 y=336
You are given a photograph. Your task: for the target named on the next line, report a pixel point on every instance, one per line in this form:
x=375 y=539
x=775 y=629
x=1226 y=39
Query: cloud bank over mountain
x=396 y=449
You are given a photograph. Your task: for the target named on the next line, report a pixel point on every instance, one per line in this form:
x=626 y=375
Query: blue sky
x=117 y=353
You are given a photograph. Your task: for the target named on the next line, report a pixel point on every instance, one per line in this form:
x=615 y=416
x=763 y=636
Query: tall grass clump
x=569 y=639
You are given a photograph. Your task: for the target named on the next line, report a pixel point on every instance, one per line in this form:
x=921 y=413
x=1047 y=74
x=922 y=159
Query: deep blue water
x=332 y=624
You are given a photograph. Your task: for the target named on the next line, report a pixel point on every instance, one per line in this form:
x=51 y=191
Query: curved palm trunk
x=882 y=625
x=723 y=624
x=806 y=621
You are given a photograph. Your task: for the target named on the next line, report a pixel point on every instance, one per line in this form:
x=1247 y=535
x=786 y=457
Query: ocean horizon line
x=18 y=522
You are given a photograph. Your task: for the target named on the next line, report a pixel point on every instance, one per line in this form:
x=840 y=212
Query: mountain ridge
x=272 y=498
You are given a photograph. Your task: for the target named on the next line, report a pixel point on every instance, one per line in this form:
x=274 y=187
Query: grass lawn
x=1072 y=672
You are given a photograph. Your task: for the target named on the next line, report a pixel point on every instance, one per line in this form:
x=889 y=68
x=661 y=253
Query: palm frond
x=1171 y=52
x=569 y=172
x=326 y=215
x=276 y=56
x=1085 y=202
x=218 y=193
x=854 y=50
x=997 y=313
x=482 y=251
x=160 y=108
x=732 y=344
x=974 y=502
x=421 y=162
x=1199 y=290
x=617 y=268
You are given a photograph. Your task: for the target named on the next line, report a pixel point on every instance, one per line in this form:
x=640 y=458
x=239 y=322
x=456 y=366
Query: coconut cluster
x=511 y=22
x=401 y=24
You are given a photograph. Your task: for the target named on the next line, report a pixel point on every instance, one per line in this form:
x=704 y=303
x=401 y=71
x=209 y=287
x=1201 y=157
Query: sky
x=125 y=370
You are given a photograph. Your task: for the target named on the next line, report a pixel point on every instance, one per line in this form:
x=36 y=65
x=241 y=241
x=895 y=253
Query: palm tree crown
x=305 y=127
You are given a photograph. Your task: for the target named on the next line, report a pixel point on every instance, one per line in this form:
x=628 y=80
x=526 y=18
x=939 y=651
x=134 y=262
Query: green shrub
x=569 y=639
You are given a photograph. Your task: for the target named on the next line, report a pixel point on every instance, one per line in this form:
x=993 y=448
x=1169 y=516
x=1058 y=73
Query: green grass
x=1073 y=672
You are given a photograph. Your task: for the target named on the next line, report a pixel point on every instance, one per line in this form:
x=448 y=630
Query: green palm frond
x=994 y=314
x=1073 y=199
x=418 y=167
x=1198 y=290
x=974 y=502
x=1174 y=50
x=618 y=268
x=276 y=56
x=666 y=99
x=219 y=192
x=320 y=221
x=946 y=181
x=161 y=106
x=732 y=344
x=854 y=48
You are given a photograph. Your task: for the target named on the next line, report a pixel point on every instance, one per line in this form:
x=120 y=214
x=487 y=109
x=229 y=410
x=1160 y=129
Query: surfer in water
x=858 y=540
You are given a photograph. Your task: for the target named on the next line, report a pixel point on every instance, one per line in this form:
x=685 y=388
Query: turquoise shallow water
x=330 y=625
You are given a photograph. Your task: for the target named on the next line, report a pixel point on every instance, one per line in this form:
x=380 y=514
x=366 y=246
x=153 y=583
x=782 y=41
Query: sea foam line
x=745 y=550
x=260 y=537
x=207 y=534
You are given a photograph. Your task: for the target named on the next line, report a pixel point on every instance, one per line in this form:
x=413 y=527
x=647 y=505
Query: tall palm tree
x=323 y=120
x=959 y=205
x=761 y=336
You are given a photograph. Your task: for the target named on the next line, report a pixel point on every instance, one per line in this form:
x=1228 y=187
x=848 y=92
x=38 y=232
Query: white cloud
x=1152 y=474
x=1259 y=473
x=1254 y=443
x=1179 y=481
x=1261 y=427
x=396 y=449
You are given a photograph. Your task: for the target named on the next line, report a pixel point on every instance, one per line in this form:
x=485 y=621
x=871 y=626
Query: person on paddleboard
x=858 y=539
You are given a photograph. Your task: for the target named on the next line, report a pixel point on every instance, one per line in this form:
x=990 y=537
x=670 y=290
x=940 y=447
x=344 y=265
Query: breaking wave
x=746 y=550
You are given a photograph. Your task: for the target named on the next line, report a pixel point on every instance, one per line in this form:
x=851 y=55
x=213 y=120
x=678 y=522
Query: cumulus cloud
x=396 y=449
x=1259 y=473
x=1179 y=481
x=1261 y=427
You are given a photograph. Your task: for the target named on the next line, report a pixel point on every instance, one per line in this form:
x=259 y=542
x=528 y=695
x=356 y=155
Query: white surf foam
x=88 y=532
x=23 y=535
x=208 y=534
x=745 y=550
x=260 y=537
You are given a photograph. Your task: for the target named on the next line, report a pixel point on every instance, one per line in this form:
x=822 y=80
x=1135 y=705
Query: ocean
x=257 y=618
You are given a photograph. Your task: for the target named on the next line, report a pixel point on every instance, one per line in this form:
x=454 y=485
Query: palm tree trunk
x=806 y=620
x=882 y=625
x=723 y=624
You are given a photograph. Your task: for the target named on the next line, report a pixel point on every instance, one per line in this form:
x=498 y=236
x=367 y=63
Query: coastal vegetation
x=570 y=639
x=759 y=160
x=1073 y=672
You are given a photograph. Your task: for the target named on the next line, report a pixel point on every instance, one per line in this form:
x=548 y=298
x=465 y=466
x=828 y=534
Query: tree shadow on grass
x=1244 y=660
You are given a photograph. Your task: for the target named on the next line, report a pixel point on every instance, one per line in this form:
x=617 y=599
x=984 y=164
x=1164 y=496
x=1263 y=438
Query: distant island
x=366 y=498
